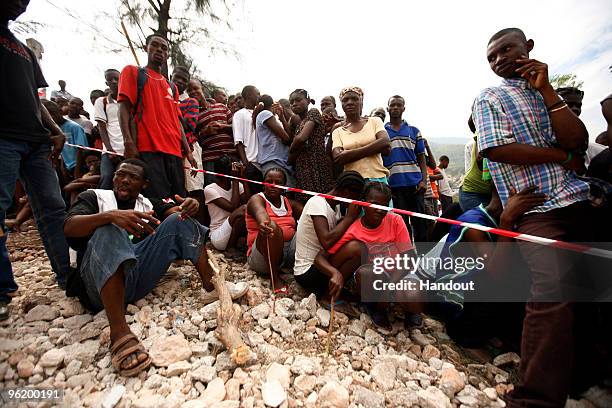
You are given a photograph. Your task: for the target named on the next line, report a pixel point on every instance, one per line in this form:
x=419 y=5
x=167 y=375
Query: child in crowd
x=226 y=201
x=91 y=179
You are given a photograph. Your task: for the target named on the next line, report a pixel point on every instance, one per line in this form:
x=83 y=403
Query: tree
x=565 y=81
x=182 y=22
x=26 y=27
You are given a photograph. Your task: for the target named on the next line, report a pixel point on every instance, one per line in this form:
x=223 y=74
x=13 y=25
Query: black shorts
x=166 y=175
x=313 y=280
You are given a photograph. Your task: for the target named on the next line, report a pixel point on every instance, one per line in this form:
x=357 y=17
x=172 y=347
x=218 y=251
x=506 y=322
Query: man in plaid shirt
x=531 y=138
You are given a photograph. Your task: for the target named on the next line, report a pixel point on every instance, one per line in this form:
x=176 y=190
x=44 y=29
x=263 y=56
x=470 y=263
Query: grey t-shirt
x=270 y=147
x=83 y=122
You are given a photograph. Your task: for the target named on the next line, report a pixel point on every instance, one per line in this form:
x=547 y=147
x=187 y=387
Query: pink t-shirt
x=392 y=230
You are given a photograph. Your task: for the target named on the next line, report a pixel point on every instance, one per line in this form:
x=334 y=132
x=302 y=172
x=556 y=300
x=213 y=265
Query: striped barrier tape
x=497 y=231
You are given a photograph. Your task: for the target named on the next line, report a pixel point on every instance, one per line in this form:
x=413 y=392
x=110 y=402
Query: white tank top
x=279 y=211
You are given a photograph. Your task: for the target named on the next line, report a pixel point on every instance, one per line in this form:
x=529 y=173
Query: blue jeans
x=144 y=263
x=30 y=162
x=467 y=200
x=107 y=171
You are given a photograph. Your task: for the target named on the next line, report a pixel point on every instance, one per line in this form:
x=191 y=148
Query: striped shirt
x=515 y=113
x=406 y=144
x=190 y=108
x=215 y=146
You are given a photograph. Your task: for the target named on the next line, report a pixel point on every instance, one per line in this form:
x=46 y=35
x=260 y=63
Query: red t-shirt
x=159 y=130
x=392 y=230
x=434 y=184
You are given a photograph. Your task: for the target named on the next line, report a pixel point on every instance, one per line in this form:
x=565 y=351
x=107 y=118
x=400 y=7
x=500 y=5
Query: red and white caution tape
x=93 y=149
x=497 y=231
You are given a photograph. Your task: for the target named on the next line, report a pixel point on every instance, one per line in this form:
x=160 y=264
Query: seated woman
x=225 y=200
x=272 y=139
x=376 y=234
x=271 y=220
x=320 y=227
x=359 y=142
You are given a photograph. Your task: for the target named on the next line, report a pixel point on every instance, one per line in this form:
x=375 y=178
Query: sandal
x=119 y=353
x=379 y=318
x=284 y=291
x=413 y=321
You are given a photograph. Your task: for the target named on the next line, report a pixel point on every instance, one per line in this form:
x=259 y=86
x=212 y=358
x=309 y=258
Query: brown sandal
x=119 y=354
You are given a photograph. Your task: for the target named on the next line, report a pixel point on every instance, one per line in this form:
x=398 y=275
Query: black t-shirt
x=601 y=166
x=20 y=78
x=87 y=204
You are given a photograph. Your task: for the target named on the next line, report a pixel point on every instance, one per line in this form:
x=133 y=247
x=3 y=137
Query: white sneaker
x=236 y=290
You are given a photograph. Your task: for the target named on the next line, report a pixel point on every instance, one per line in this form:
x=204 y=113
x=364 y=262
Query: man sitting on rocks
x=124 y=250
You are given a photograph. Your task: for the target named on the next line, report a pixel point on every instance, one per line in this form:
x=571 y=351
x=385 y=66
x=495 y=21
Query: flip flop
x=283 y=291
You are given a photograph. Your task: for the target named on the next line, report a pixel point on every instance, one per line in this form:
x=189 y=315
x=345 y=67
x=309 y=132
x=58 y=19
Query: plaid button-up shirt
x=515 y=113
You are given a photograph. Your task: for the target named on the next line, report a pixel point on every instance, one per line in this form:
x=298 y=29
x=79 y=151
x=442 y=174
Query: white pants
x=220 y=237
x=197 y=182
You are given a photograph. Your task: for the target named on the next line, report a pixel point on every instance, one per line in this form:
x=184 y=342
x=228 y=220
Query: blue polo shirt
x=402 y=162
x=75 y=134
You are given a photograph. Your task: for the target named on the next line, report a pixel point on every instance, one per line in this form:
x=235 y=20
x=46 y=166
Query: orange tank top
x=285 y=222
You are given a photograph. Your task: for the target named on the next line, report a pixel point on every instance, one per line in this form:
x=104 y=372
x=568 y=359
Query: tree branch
x=153 y=5
x=228 y=317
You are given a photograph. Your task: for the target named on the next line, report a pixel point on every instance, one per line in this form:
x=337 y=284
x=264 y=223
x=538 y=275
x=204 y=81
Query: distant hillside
x=454 y=152
x=448 y=140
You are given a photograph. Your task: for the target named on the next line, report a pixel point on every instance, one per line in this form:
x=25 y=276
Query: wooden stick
x=127 y=36
x=331 y=326
x=228 y=316
x=271 y=275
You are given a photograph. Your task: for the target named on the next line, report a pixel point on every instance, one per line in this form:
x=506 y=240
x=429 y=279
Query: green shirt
x=472 y=181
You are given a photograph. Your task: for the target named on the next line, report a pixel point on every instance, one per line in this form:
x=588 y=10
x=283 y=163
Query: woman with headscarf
x=358 y=142
x=312 y=168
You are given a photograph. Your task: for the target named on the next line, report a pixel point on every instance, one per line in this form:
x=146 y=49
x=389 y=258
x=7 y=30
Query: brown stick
x=127 y=36
x=331 y=326
x=271 y=275
x=228 y=315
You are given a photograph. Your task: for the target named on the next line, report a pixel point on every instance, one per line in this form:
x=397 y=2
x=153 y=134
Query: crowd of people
x=142 y=203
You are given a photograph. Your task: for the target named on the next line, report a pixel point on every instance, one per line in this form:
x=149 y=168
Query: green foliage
x=565 y=81
x=184 y=24
x=28 y=27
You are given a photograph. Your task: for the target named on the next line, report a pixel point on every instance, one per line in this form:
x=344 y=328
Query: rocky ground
x=51 y=341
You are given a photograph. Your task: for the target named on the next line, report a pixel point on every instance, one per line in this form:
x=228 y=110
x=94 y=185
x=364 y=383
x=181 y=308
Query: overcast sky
x=431 y=52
